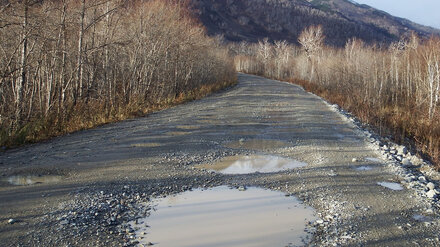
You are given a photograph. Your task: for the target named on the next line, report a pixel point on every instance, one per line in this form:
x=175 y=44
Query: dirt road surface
x=90 y=184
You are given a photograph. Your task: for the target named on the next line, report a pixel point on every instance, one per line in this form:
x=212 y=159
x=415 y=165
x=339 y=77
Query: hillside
x=252 y=20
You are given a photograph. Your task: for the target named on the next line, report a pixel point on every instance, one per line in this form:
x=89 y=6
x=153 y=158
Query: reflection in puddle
x=146 y=145
x=254 y=163
x=227 y=217
x=257 y=144
x=390 y=185
x=363 y=168
x=29 y=180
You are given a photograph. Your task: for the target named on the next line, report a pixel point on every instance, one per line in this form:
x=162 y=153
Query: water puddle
x=146 y=145
x=226 y=217
x=32 y=179
x=257 y=144
x=422 y=218
x=376 y=160
x=246 y=164
x=390 y=185
x=363 y=168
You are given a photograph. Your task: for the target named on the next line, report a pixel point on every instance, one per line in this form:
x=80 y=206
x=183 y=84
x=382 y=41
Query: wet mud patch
x=246 y=164
x=22 y=180
x=257 y=144
x=226 y=217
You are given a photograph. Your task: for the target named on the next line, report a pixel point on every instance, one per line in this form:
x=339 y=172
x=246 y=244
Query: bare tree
x=312 y=40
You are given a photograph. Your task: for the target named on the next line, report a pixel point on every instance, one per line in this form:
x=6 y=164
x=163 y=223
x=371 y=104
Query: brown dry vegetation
x=67 y=65
x=396 y=89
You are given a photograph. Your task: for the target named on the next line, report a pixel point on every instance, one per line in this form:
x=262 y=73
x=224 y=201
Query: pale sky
x=426 y=12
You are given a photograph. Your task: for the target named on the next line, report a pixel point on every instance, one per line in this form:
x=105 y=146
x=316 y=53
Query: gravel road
x=92 y=183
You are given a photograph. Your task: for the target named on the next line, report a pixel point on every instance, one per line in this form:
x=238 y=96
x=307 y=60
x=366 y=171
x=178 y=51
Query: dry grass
x=403 y=125
x=87 y=116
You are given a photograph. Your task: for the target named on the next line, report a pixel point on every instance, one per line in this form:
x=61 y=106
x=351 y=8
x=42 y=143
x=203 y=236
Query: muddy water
x=30 y=179
x=245 y=164
x=226 y=217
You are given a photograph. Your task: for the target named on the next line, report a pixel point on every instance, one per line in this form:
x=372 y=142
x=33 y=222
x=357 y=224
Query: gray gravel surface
x=109 y=174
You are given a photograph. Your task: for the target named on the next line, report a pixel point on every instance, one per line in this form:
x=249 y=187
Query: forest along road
x=88 y=185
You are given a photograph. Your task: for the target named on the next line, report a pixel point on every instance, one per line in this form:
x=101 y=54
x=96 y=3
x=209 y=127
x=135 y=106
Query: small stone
x=354 y=160
x=402 y=150
x=430 y=186
x=12 y=221
x=431 y=194
x=406 y=162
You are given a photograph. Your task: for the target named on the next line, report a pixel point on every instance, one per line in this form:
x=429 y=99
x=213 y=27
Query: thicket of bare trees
x=395 y=88
x=70 y=64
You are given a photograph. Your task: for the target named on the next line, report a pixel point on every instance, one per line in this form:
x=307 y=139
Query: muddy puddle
x=391 y=185
x=21 y=180
x=257 y=144
x=223 y=217
x=246 y=164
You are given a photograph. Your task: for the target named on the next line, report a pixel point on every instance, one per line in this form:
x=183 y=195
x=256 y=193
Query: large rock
x=407 y=162
x=431 y=194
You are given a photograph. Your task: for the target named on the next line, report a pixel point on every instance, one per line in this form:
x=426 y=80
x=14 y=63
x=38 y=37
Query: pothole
x=32 y=179
x=391 y=185
x=246 y=164
x=226 y=217
x=257 y=144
